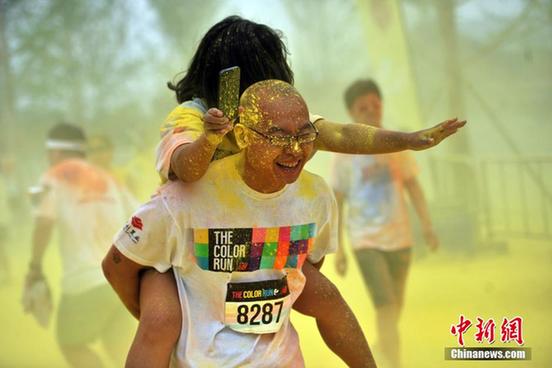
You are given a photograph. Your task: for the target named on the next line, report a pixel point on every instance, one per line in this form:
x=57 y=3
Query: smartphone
x=229 y=92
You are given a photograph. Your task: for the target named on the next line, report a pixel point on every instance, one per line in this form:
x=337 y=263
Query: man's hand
x=37 y=298
x=341 y=263
x=427 y=138
x=216 y=125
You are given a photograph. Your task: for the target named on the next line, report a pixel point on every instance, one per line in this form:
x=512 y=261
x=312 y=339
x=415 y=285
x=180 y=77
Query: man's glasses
x=288 y=140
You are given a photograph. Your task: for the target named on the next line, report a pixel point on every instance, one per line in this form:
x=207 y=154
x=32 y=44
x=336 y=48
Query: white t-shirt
x=236 y=254
x=373 y=187
x=87 y=206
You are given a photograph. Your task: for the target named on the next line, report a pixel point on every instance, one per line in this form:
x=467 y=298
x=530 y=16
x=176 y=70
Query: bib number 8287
x=262 y=313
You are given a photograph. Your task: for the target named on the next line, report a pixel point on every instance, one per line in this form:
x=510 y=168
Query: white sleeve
x=44 y=199
x=314 y=118
x=326 y=240
x=149 y=238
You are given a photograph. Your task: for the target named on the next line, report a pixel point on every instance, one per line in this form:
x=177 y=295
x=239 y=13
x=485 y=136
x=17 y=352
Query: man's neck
x=255 y=181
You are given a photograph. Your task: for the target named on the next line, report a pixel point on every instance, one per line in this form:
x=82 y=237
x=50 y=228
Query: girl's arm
x=366 y=139
x=335 y=320
x=189 y=162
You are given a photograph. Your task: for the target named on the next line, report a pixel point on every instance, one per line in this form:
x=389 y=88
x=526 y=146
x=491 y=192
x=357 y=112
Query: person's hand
x=37 y=298
x=427 y=138
x=216 y=125
x=431 y=239
x=341 y=263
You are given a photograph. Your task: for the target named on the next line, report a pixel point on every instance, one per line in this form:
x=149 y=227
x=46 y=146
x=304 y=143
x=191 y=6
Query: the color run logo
x=251 y=249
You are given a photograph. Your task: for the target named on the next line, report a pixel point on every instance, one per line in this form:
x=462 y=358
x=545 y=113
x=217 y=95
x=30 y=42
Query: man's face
x=54 y=156
x=276 y=165
x=367 y=109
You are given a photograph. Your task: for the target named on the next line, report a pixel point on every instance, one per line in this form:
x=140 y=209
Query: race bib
x=257 y=307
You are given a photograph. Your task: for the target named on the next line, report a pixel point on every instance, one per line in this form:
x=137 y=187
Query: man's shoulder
x=221 y=169
x=311 y=183
x=66 y=167
x=77 y=172
x=219 y=173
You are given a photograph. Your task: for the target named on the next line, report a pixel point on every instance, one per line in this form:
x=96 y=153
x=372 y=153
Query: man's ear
x=242 y=138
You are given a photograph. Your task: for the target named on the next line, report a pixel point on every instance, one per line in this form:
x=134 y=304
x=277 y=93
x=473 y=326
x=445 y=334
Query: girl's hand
x=216 y=125
x=427 y=138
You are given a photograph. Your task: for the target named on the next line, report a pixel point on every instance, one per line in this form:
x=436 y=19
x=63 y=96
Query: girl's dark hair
x=256 y=48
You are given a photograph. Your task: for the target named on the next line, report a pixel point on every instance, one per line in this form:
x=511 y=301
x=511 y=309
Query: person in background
x=374 y=189
x=100 y=152
x=83 y=203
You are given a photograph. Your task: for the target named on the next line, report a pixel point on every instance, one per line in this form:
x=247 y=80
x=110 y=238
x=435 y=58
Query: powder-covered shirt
x=86 y=205
x=373 y=188
x=237 y=256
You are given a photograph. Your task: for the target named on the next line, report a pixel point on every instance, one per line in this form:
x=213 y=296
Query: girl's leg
x=160 y=321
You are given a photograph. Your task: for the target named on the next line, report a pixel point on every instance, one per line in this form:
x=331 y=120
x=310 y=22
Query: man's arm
x=336 y=322
x=366 y=139
x=124 y=276
x=42 y=233
x=418 y=200
x=41 y=308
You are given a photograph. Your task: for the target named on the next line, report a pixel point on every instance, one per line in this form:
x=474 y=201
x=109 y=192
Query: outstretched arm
x=124 y=276
x=336 y=322
x=366 y=139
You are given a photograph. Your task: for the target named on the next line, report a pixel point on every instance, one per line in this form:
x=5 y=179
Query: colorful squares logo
x=284 y=235
x=259 y=235
x=296 y=232
x=272 y=234
x=291 y=261
x=280 y=262
x=201 y=236
x=294 y=247
x=203 y=262
x=256 y=249
x=267 y=262
x=283 y=248
x=270 y=249
x=311 y=231
x=254 y=263
x=303 y=246
x=201 y=250
x=265 y=248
